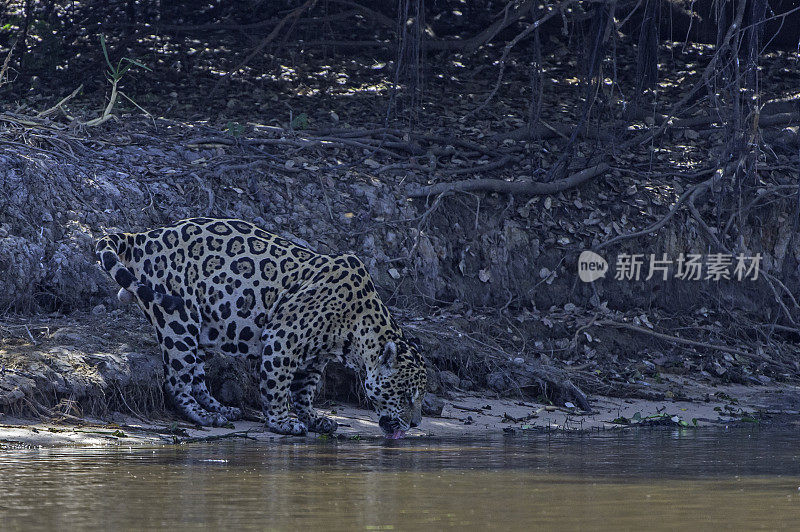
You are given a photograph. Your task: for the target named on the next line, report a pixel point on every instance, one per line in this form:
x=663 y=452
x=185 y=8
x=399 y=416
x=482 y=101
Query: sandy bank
x=463 y=416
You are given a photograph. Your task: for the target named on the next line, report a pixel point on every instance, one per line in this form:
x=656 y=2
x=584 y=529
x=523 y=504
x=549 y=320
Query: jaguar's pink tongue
x=396 y=435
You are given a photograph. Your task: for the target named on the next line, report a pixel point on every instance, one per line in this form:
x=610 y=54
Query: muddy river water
x=738 y=478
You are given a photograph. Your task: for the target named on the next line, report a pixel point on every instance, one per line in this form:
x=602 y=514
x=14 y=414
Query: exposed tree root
x=663 y=221
x=512 y=187
x=673 y=339
x=547 y=131
x=552 y=383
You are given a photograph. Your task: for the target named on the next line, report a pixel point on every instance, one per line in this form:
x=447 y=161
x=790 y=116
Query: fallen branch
x=467 y=408
x=674 y=339
x=547 y=131
x=241 y=434
x=220 y=170
x=208 y=191
x=299 y=142
x=504 y=160
x=771 y=120
x=553 y=384
x=512 y=187
x=760 y=195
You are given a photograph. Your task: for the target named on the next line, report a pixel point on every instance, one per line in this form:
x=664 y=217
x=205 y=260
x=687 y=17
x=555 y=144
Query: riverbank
x=462 y=416
x=95 y=378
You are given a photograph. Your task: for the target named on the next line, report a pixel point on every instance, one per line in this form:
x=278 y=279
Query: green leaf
x=637 y=416
x=105 y=51
x=137 y=63
x=121 y=73
x=300 y=121
x=234 y=129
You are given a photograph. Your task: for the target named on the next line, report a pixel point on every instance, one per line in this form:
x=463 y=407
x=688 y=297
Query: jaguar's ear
x=389 y=354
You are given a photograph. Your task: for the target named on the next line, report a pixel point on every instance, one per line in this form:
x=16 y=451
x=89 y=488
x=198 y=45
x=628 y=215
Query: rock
x=229 y=380
x=99 y=310
x=497 y=381
x=449 y=379
x=191 y=156
x=434 y=385
x=230 y=393
x=432 y=405
x=65 y=335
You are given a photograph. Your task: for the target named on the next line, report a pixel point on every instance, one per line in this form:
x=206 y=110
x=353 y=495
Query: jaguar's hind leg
x=177 y=333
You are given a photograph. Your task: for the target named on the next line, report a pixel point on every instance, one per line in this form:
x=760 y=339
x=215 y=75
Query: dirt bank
x=463 y=416
x=96 y=378
x=487 y=280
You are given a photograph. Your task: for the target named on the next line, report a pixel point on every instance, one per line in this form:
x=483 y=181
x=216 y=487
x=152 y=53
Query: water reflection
x=745 y=477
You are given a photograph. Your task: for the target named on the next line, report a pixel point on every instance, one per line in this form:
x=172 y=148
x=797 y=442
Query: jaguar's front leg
x=304 y=388
x=277 y=370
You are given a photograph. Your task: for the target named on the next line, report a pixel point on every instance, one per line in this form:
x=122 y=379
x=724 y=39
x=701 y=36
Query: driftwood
x=552 y=383
x=512 y=187
x=548 y=131
x=764 y=120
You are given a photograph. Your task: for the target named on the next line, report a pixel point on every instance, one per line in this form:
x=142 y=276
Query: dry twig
x=4 y=68
x=57 y=106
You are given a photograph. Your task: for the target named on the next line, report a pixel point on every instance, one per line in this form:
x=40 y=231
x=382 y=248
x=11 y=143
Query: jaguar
x=226 y=285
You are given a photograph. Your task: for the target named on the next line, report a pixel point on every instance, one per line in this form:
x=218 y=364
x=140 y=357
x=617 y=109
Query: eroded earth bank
x=334 y=152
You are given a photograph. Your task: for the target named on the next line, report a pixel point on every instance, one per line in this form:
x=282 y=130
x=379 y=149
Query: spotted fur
x=228 y=285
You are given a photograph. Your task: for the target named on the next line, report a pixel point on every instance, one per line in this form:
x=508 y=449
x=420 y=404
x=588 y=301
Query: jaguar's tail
x=108 y=251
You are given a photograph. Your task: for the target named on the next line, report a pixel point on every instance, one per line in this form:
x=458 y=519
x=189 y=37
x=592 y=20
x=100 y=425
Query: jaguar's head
x=396 y=387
